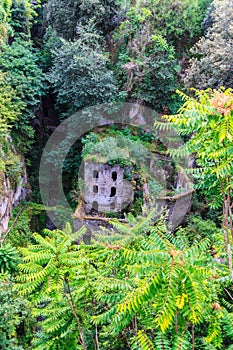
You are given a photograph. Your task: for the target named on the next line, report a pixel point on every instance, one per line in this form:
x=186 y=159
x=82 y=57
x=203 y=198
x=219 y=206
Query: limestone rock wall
x=11 y=192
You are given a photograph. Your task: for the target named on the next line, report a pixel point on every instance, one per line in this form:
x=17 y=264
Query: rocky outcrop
x=11 y=192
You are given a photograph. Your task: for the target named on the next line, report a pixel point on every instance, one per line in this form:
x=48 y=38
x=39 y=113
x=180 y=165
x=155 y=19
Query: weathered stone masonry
x=107 y=190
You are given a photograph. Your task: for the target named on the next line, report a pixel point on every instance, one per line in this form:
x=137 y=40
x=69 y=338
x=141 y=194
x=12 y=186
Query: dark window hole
x=95 y=174
x=95 y=205
x=113 y=191
x=95 y=189
x=114 y=175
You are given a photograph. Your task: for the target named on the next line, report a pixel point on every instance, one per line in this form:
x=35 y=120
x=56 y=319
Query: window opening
x=95 y=205
x=114 y=175
x=95 y=189
x=95 y=174
x=113 y=191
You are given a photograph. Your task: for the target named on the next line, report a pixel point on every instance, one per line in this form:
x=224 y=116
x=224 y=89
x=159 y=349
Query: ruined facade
x=106 y=189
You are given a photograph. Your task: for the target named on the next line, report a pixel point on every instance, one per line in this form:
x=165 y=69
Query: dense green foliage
x=8 y=258
x=211 y=65
x=80 y=74
x=5 y=29
x=146 y=46
x=66 y=263
x=209 y=119
x=153 y=285
x=66 y=17
x=10 y=111
x=10 y=108
x=22 y=16
x=14 y=313
x=134 y=285
x=113 y=150
x=146 y=67
x=18 y=62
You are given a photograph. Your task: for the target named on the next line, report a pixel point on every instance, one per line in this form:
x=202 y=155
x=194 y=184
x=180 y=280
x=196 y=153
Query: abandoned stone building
x=106 y=189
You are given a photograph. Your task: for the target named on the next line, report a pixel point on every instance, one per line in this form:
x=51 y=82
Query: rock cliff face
x=11 y=192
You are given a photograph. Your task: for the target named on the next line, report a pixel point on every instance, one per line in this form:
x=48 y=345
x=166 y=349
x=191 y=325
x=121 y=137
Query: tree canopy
x=211 y=65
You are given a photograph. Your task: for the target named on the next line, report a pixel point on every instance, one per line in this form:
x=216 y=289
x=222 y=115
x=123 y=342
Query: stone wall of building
x=106 y=188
